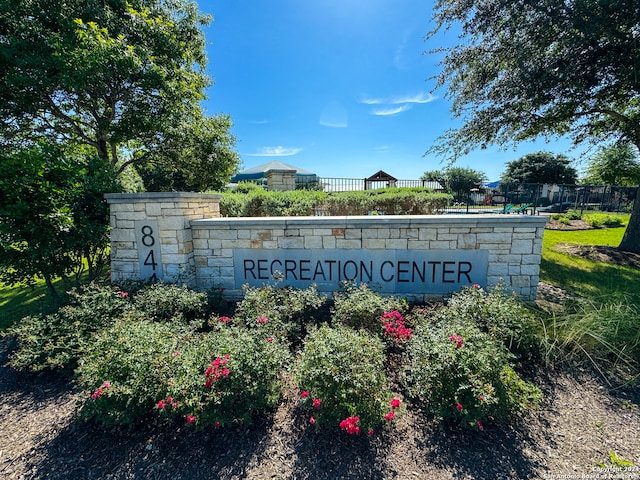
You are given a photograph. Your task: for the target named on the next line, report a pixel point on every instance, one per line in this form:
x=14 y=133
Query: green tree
x=456 y=180
x=460 y=181
x=525 y=69
x=540 y=167
x=615 y=164
x=115 y=75
x=53 y=215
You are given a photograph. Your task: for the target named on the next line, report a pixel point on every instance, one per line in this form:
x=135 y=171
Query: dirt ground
x=580 y=423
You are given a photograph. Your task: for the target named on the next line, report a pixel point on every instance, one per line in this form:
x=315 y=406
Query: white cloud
x=419 y=98
x=391 y=110
x=278 y=151
x=397 y=100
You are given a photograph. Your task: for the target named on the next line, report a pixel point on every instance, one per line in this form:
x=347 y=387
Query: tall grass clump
x=605 y=335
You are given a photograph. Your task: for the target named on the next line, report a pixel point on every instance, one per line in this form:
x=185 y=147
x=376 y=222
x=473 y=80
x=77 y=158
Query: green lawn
x=19 y=301
x=589 y=278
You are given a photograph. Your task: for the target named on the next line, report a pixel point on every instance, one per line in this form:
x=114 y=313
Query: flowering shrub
x=163 y=301
x=341 y=376
x=287 y=311
x=56 y=341
x=360 y=307
x=204 y=378
x=501 y=315
x=460 y=374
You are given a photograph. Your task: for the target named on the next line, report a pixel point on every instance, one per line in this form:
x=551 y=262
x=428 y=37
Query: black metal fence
x=521 y=198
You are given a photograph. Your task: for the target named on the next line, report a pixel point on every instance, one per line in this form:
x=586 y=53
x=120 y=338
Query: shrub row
x=253 y=201
x=163 y=351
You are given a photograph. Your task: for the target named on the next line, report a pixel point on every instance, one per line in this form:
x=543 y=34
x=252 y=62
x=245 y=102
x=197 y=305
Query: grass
x=19 y=301
x=602 y=329
x=587 y=278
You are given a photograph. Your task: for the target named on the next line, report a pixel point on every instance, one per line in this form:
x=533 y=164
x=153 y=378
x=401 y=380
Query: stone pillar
x=151 y=235
x=281 y=180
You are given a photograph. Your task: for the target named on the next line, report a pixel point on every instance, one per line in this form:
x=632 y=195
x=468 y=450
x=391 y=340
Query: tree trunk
x=631 y=240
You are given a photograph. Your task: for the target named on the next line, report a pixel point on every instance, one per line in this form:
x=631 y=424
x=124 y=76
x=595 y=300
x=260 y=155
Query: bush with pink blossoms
x=462 y=375
x=341 y=375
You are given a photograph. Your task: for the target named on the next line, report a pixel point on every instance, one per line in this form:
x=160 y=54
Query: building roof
x=260 y=171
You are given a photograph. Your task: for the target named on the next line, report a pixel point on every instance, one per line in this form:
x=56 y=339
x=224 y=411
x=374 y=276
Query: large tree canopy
x=549 y=67
x=111 y=74
x=616 y=164
x=540 y=167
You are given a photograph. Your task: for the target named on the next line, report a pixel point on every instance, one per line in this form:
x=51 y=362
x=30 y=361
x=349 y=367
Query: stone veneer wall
x=514 y=242
x=173 y=212
x=196 y=247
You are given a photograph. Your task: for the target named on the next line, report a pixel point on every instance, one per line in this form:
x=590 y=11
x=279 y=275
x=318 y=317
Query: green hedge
x=255 y=202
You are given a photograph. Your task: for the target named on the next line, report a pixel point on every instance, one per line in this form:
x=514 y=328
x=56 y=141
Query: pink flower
x=262 y=320
x=459 y=406
x=370 y=432
x=482 y=399
x=123 y=294
x=480 y=426
x=476 y=285
x=224 y=319
x=161 y=404
x=225 y=372
x=106 y=384
x=457 y=339
x=389 y=416
x=350 y=425
x=96 y=394
x=217 y=424
x=316 y=403
x=169 y=399
x=395 y=403
x=176 y=353
x=191 y=419
x=270 y=339
x=304 y=394
x=312 y=420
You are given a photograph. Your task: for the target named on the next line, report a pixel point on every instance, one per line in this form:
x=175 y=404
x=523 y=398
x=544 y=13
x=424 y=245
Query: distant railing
x=503 y=198
x=354 y=184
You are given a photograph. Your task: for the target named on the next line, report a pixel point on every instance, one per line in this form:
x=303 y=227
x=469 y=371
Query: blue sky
x=338 y=87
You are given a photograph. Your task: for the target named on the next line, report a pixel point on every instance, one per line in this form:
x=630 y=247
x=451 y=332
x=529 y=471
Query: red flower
x=476 y=285
x=312 y=420
x=316 y=403
x=262 y=320
x=457 y=339
x=169 y=399
x=270 y=339
x=370 y=431
x=350 y=425
x=482 y=399
x=106 y=384
x=191 y=419
x=123 y=294
x=459 y=406
x=389 y=416
x=395 y=403
x=217 y=424
x=224 y=319
x=480 y=426
x=160 y=404
x=225 y=372
x=176 y=353
x=96 y=394
x=304 y=394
